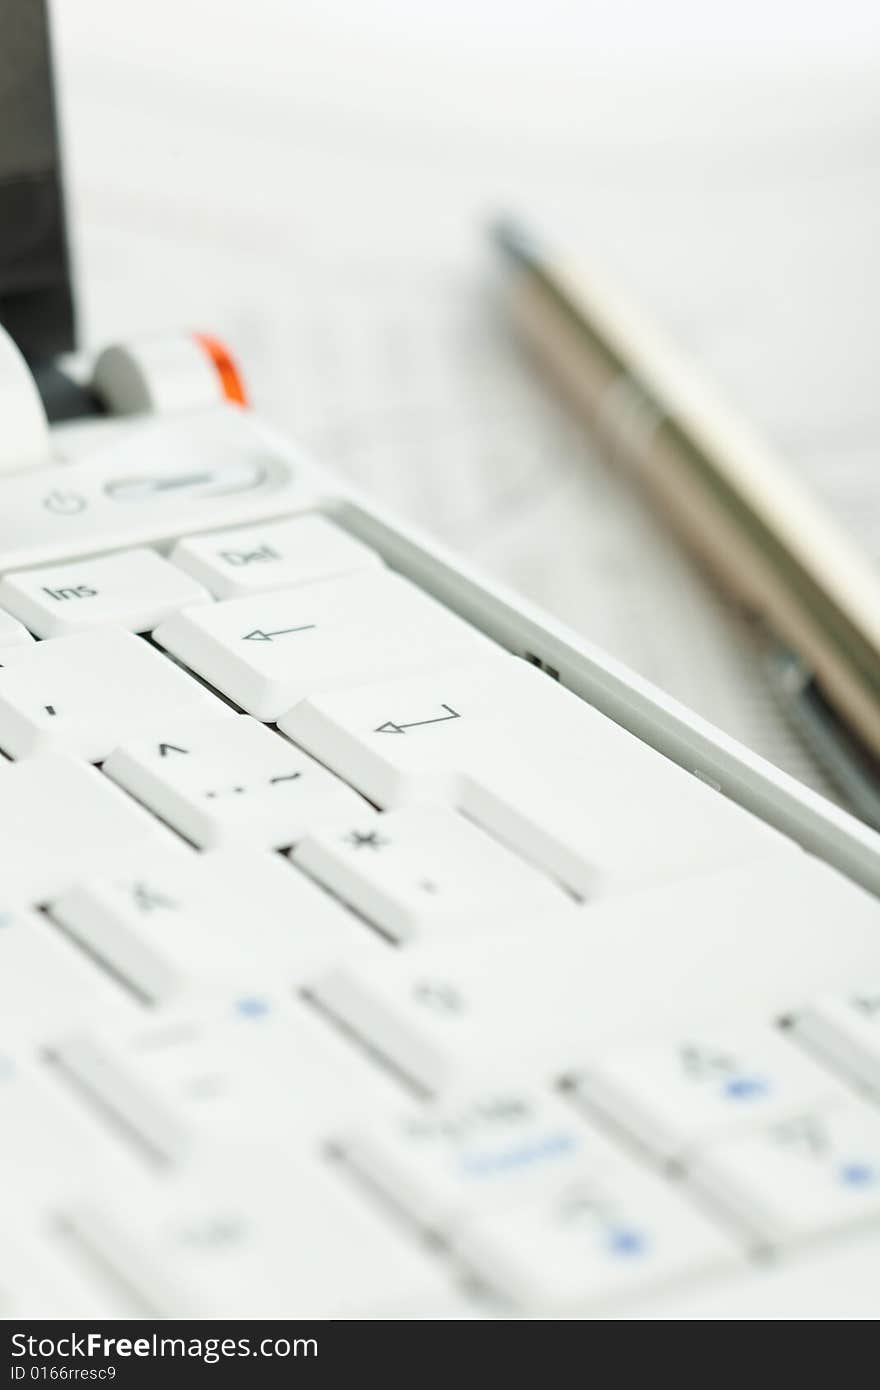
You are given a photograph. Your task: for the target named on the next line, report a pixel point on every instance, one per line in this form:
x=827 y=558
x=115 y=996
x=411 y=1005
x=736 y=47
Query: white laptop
x=370 y=947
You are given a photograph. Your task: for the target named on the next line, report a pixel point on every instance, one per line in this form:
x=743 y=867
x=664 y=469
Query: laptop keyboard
x=351 y=966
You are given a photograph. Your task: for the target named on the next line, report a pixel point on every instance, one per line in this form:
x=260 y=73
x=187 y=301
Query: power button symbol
x=64 y=503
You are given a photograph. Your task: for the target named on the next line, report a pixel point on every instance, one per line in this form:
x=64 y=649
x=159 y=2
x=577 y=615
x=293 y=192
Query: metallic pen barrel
x=736 y=504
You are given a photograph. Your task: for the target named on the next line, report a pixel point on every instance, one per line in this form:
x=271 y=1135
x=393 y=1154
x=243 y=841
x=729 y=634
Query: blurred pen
x=771 y=546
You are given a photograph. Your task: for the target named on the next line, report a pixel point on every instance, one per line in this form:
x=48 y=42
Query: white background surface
x=311 y=181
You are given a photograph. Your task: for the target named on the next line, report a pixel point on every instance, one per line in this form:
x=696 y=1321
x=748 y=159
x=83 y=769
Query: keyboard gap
x=139 y=995
x=669 y=1170
x=156 y=1157
x=414 y=1089
x=427 y=1237
x=827 y=1061
x=332 y=770
x=188 y=671
x=142 y=805
x=337 y=1158
x=101 y=1269
x=569 y=894
x=353 y=911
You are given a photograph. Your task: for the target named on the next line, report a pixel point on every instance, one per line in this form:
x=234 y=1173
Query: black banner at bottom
x=140 y=1353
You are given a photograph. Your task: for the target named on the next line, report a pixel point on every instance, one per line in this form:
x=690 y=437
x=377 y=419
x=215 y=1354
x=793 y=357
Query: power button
x=215 y=480
x=61 y=503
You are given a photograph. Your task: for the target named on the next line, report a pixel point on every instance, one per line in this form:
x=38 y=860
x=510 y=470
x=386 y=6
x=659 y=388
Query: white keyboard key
x=604 y=812
x=546 y=1002
x=829 y=1281
x=233 y=921
x=845 y=1030
x=448 y=1162
x=557 y=781
x=12 y=632
x=61 y=820
x=39 y=1279
x=142 y=931
x=410 y=738
x=134 y=589
x=53 y=1142
x=231 y=782
x=590 y=1239
x=85 y=694
x=250 y=1073
x=46 y=985
x=25 y=1290
x=258 y=1243
x=274 y=555
x=415 y=1023
x=420 y=738
x=545 y=825
x=675 y=1094
x=814 y=1172
x=269 y=651
x=425 y=868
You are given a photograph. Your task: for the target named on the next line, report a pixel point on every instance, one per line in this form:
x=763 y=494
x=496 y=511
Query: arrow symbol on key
x=389 y=727
x=258 y=635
